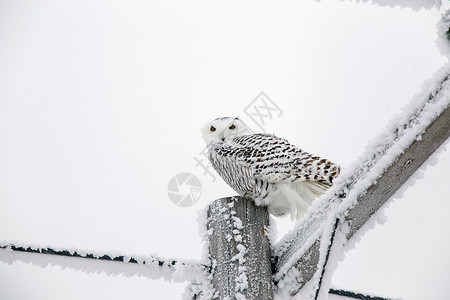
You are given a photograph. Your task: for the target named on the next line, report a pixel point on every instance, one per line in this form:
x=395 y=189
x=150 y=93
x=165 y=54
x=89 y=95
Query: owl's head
x=222 y=130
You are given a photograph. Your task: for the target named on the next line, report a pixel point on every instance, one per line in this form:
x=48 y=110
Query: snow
x=241 y=279
x=271 y=231
x=442 y=27
x=385 y=149
x=202 y=286
x=381 y=153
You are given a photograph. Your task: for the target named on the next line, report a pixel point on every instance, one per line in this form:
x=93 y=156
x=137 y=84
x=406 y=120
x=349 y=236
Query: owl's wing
x=274 y=159
x=226 y=160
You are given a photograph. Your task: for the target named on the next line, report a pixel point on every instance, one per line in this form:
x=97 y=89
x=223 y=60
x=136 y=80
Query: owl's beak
x=223 y=139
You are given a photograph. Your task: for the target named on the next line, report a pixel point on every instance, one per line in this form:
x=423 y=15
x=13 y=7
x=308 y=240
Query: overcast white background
x=101 y=103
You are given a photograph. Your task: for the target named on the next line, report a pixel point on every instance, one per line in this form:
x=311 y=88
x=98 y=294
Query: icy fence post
x=239 y=249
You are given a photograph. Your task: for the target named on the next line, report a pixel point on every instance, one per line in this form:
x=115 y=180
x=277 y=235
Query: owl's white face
x=222 y=130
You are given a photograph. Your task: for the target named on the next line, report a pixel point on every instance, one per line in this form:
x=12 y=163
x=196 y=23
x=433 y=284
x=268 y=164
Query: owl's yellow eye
x=212 y=128
x=232 y=126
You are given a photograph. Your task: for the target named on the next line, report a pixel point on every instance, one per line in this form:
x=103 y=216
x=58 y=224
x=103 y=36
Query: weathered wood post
x=239 y=249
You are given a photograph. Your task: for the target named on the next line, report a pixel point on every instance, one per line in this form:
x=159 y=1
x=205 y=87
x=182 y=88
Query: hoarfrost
x=380 y=154
x=110 y=263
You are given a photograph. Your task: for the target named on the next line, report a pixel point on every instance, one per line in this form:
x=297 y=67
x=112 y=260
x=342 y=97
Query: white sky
x=101 y=103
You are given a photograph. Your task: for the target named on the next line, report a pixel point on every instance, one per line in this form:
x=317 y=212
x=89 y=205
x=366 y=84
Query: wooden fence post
x=239 y=249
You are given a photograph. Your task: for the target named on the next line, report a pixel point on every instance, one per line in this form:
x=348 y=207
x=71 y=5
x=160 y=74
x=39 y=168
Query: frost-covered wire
x=354 y=295
x=325 y=261
x=112 y=263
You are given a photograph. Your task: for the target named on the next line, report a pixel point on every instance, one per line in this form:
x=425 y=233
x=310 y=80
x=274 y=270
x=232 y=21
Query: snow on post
x=239 y=249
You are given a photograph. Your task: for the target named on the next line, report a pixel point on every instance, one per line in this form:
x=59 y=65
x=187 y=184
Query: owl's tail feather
x=298 y=203
x=295 y=197
x=305 y=193
x=317 y=187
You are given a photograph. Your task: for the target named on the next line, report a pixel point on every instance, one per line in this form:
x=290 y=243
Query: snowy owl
x=266 y=168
